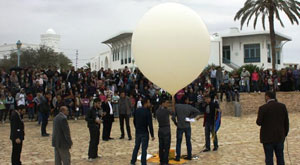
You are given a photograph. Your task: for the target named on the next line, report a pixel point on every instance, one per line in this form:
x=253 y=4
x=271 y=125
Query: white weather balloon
x=171 y=46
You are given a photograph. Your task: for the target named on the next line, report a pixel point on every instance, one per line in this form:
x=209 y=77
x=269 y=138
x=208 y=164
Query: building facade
x=49 y=39
x=230 y=50
x=103 y=60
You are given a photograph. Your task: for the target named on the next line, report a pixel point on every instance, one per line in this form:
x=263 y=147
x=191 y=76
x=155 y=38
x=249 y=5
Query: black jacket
x=274 y=121
x=91 y=116
x=108 y=117
x=16 y=127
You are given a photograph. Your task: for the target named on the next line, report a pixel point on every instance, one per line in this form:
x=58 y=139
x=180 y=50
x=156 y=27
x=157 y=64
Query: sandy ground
x=238 y=143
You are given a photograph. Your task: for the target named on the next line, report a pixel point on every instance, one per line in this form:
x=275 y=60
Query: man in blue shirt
x=142 y=120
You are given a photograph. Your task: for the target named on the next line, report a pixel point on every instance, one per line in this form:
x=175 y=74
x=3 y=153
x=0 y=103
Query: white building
x=49 y=39
x=103 y=60
x=7 y=49
x=230 y=50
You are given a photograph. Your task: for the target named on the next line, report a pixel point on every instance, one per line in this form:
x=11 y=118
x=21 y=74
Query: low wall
x=250 y=102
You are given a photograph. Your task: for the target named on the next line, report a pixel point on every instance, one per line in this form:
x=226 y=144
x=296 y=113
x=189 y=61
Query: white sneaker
x=90 y=159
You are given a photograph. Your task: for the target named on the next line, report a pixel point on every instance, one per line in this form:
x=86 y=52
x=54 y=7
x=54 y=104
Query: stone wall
x=250 y=102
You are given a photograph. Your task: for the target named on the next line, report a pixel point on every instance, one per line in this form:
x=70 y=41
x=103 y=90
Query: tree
x=43 y=57
x=87 y=65
x=271 y=9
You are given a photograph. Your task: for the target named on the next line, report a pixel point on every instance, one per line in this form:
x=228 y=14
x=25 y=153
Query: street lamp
x=19 y=44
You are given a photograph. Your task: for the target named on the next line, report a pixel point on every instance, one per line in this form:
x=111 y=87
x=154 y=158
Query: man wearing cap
x=17 y=134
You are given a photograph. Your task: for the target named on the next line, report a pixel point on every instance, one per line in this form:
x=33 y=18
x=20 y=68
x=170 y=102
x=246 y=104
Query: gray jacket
x=124 y=106
x=61 y=137
x=181 y=112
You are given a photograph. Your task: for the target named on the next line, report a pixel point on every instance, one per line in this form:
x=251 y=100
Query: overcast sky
x=84 y=24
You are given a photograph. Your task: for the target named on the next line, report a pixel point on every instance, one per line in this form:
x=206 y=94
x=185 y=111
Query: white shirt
x=111 y=109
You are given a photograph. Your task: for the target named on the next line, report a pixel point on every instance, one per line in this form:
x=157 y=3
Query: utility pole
x=76 y=65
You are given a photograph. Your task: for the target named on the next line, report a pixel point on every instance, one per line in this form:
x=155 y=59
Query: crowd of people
x=99 y=97
x=42 y=92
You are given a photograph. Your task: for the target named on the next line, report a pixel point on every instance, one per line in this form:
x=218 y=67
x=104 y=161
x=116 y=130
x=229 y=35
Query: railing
x=230 y=64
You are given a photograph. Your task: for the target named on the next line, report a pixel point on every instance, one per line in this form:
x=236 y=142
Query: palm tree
x=269 y=8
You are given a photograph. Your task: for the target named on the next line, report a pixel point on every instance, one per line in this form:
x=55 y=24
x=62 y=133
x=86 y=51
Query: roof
x=238 y=34
x=117 y=37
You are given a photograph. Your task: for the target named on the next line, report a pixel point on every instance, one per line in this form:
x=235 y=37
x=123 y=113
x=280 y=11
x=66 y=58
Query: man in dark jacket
x=17 y=134
x=45 y=108
x=61 y=139
x=93 y=119
x=108 y=119
x=210 y=110
x=142 y=120
x=164 y=131
x=274 y=121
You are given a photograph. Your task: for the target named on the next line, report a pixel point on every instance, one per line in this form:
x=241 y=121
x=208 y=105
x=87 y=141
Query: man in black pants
x=124 y=113
x=142 y=120
x=45 y=108
x=17 y=134
x=164 y=131
x=93 y=119
x=108 y=119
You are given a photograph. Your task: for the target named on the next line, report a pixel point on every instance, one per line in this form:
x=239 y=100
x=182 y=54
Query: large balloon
x=171 y=46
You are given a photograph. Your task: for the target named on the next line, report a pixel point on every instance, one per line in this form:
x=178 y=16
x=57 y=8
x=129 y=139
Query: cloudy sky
x=83 y=25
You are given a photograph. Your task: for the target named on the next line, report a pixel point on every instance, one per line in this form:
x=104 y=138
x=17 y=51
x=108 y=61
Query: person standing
x=17 y=134
x=93 y=119
x=274 y=122
x=182 y=112
x=245 y=77
x=164 y=131
x=142 y=120
x=156 y=100
x=296 y=75
x=108 y=119
x=255 y=79
x=210 y=111
x=124 y=114
x=61 y=137
x=213 y=77
x=45 y=108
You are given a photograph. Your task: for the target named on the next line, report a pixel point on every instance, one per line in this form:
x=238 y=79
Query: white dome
x=50 y=31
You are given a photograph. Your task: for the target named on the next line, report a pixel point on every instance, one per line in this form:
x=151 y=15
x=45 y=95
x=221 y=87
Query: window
x=226 y=54
x=129 y=53
x=122 y=55
x=125 y=54
x=251 y=53
x=278 y=57
x=269 y=53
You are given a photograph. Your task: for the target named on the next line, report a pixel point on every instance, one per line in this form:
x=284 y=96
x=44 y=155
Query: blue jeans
x=209 y=130
x=144 y=140
x=39 y=117
x=85 y=109
x=270 y=148
x=188 y=134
